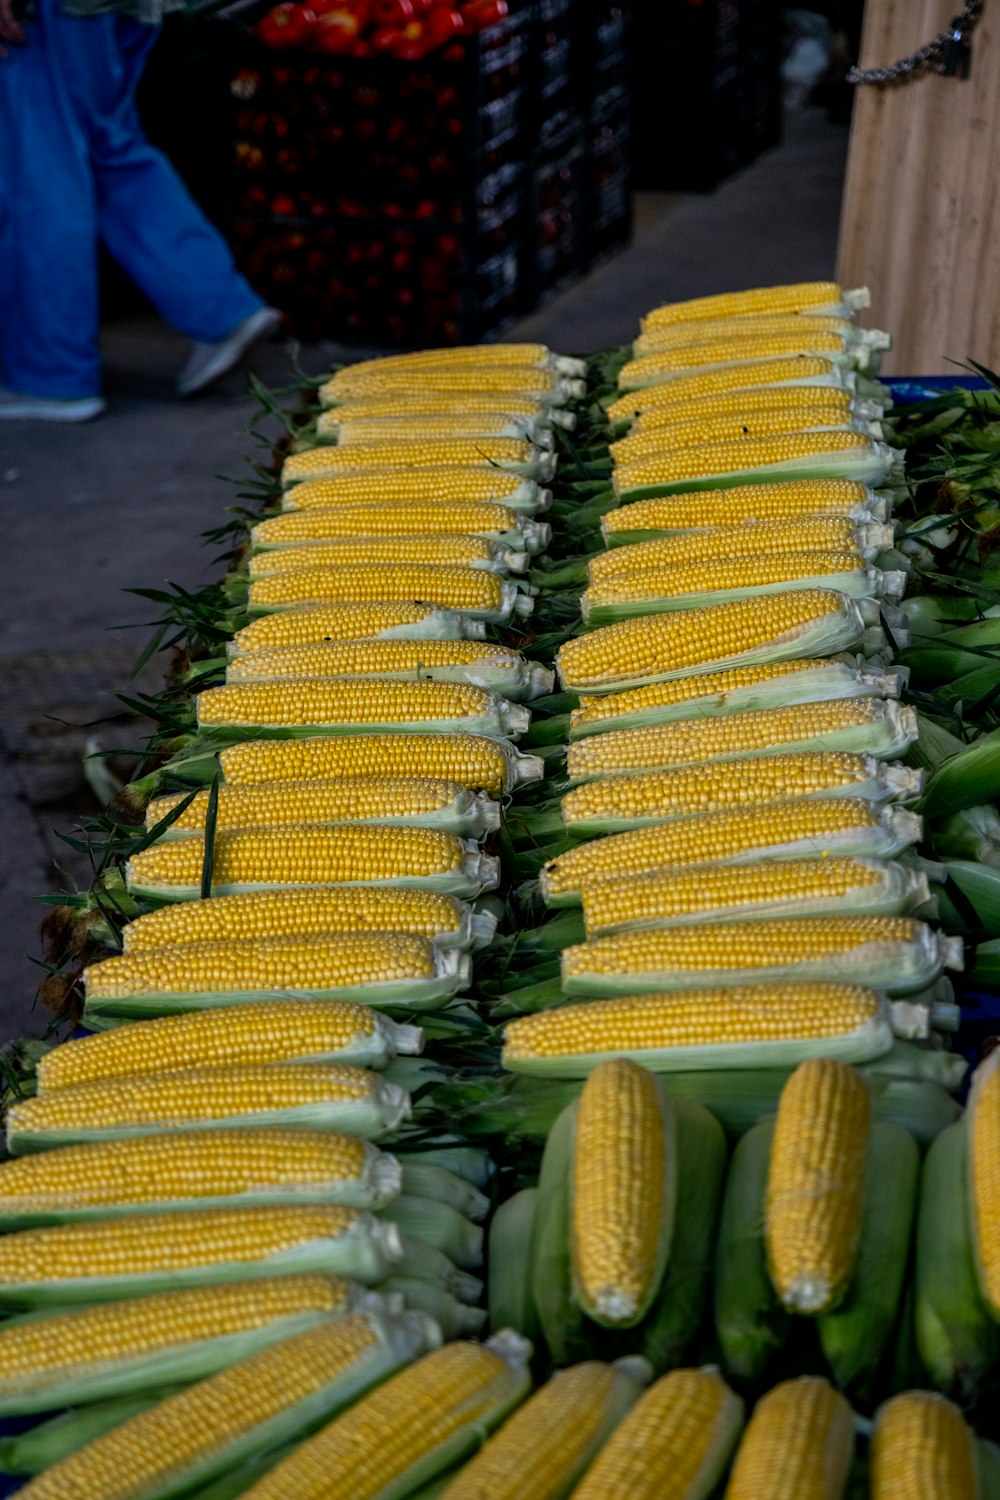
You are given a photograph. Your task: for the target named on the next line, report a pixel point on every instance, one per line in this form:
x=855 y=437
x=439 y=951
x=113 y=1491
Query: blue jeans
x=75 y=169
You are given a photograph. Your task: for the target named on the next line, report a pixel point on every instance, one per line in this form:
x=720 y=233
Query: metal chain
x=956 y=36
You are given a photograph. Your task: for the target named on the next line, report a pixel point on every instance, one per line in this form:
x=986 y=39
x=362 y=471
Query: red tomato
x=286 y=25
x=482 y=13
x=336 y=31
x=393 y=12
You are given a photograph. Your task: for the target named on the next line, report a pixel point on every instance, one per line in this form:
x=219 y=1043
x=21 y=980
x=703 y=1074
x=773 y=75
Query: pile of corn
x=246 y=1271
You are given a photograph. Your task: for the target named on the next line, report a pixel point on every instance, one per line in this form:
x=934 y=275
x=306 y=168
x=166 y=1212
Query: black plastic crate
x=608 y=182
x=558 y=211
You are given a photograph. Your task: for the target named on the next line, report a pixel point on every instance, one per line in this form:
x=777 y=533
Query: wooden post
x=921 y=214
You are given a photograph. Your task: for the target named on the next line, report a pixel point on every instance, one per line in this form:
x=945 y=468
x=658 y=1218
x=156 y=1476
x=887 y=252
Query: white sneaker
x=209 y=362
x=17 y=407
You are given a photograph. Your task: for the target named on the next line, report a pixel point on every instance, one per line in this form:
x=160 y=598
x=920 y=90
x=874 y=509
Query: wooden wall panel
x=921 y=213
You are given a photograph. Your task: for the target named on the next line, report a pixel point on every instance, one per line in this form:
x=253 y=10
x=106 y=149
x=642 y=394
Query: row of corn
x=200 y=1190
x=225 y=1219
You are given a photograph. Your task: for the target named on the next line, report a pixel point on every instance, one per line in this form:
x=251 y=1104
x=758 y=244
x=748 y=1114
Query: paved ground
x=91 y=511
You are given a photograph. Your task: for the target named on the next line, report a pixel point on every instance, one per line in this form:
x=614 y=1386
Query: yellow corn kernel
x=458 y=551
x=444 y=484
x=482 y=452
x=657 y=796
x=813 y=1205
x=271 y=1031
x=797 y=297
x=735 y=457
x=150 y=1171
x=475 y=762
x=482 y=376
x=264 y=914
x=192 y=1098
x=458 y=355
x=623 y=1192
x=761 y=732
x=776 y=399
x=86 y=1345
x=706 y=330
x=798 y=1445
x=349 y=620
x=391 y=519
x=651 y=368
x=417 y=1423
x=643 y=1026
x=268 y=804
x=922 y=1449
x=677 y=895
x=697 y=510
x=667 y=440
x=752 y=539
x=800 y=825
x=680 y=643
x=383 y=658
x=677 y=1438
x=190 y=1432
x=381 y=583
x=648 y=590
x=984 y=1179
x=417 y=403
x=694 y=388
x=296 y=966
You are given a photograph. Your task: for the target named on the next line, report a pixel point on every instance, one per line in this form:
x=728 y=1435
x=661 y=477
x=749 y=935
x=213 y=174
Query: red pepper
x=286 y=25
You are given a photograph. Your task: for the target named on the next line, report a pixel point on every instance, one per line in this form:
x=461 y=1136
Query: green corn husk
x=456 y=1320
x=966 y=780
x=48 y=1443
x=958 y=1340
x=240 y=1479
x=425 y=1262
x=750 y=1323
x=931 y=616
x=636 y=595
x=972 y=835
x=980 y=886
x=421 y=1180
x=440 y=1226
x=559 y=1315
x=666 y=1335
x=988 y=1469
x=471 y=1163
x=510 y=1294
x=854 y=1336
x=628 y=964
x=145 y=1443
x=815 y=682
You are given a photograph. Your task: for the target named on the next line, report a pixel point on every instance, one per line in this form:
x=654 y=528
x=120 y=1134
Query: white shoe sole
x=229 y=353
x=46 y=409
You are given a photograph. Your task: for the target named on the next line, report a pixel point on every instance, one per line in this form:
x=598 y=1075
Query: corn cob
x=801 y=370
x=455 y=1319
x=424 y=403
x=984 y=1178
x=208 y=1169
x=438 y=550
x=798 y=1445
x=497 y=523
x=474 y=761
x=423 y=1179
x=352 y=621
x=274 y=1031
x=803 y=455
x=482 y=595
x=396 y=968
x=513 y=455
x=339 y=425
x=479 y=377
x=545 y=1446
x=380 y=801
x=688 y=586
x=749 y=539
x=862 y=726
x=617 y=803
x=623 y=1192
x=750 y=892
x=921 y=1449
x=738 y=690
x=560 y=1317
x=813 y=1210
x=443 y=485
x=800 y=828
x=668 y=438
x=776 y=399
x=436 y=1223
x=510 y=1296
x=404 y=1434
x=675 y=515
x=129 y=1347
x=205 y=1430
x=413 y=366
x=812 y=297
x=675 y=335
x=751 y=1325
x=310 y=1096
x=746 y=632
x=734 y=351
x=495 y=668
x=313 y=855
x=138 y=1256
x=441 y=919
x=747 y=1027
x=896 y=954
x=677 y=1440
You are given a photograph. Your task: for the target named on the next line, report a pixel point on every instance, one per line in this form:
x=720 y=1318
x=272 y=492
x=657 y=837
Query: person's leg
x=48 y=234
x=146 y=217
